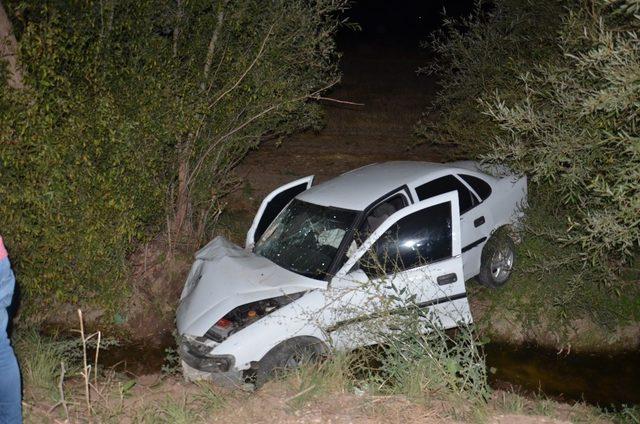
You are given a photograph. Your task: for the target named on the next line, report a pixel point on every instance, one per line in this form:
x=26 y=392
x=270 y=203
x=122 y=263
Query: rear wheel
x=498 y=259
x=288 y=356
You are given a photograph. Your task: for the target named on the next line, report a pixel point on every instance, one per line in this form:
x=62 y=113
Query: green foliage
x=553 y=93
x=555 y=294
x=171 y=364
x=435 y=364
x=127 y=102
x=575 y=128
x=423 y=361
x=479 y=54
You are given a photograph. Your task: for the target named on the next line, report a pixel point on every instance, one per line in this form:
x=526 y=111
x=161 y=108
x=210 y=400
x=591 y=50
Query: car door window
x=415 y=240
x=382 y=211
x=481 y=187
x=446 y=184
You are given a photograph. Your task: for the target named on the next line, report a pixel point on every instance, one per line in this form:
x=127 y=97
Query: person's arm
x=7 y=280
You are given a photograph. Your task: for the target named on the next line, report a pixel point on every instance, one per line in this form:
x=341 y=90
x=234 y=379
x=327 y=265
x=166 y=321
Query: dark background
x=409 y=21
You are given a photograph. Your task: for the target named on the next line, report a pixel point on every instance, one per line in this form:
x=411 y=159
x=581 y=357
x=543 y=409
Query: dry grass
x=170 y=400
x=316 y=393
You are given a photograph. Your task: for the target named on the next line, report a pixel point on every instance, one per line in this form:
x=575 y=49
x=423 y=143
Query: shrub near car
x=303 y=283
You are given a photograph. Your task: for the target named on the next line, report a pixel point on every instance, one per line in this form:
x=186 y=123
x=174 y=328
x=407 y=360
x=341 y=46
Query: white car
x=320 y=260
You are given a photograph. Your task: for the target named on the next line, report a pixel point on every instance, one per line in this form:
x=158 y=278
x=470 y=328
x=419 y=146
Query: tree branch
x=212 y=45
x=246 y=71
x=176 y=29
x=212 y=146
x=9 y=50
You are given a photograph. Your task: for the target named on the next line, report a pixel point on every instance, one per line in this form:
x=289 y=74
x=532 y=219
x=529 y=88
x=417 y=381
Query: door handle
x=447 y=279
x=478 y=221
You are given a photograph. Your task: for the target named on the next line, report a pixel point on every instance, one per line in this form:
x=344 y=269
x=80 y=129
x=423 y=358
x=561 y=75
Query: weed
x=511 y=403
x=39 y=360
x=628 y=414
x=171 y=361
x=176 y=412
x=416 y=357
x=315 y=379
x=210 y=398
x=544 y=407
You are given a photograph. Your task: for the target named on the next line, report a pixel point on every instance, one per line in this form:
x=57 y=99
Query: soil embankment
x=380 y=75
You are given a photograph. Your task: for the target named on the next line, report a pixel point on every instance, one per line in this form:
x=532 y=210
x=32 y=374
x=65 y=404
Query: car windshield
x=305 y=237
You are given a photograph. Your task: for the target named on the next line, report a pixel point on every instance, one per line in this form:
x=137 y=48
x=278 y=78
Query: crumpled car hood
x=230 y=277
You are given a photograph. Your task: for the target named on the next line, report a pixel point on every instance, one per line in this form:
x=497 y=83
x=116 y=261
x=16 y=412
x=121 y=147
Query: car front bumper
x=198 y=363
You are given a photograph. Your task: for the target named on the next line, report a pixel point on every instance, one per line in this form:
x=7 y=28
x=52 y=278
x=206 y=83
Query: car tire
x=497 y=260
x=287 y=356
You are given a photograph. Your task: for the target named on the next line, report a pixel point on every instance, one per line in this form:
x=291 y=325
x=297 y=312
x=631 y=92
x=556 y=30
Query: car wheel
x=287 y=356
x=498 y=258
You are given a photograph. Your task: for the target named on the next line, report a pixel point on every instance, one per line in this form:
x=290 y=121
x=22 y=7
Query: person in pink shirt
x=10 y=391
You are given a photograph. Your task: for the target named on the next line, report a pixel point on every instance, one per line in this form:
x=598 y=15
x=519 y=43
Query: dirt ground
x=162 y=399
x=382 y=76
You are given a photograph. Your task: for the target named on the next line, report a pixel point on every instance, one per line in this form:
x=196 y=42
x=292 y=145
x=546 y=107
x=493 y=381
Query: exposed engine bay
x=244 y=315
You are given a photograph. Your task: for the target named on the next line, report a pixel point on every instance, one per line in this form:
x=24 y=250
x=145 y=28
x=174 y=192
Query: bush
x=136 y=111
x=414 y=355
x=575 y=128
x=422 y=360
x=477 y=55
x=555 y=98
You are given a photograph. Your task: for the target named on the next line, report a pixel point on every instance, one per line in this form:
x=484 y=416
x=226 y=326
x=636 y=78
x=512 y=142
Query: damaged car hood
x=229 y=277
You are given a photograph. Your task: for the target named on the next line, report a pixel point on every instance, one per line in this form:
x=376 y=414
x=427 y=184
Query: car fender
x=510 y=201
x=303 y=317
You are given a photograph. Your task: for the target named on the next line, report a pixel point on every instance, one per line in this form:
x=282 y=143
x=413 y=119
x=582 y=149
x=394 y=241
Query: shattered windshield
x=305 y=237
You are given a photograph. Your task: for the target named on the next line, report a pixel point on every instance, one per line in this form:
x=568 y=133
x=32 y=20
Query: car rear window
x=481 y=187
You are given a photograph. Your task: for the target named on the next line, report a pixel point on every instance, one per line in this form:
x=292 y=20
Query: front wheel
x=288 y=356
x=498 y=259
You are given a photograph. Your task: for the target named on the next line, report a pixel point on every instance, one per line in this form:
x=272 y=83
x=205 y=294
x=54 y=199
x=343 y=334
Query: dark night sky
x=401 y=20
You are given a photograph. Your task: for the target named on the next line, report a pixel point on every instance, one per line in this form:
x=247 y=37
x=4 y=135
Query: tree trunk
x=9 y=51
x=177 y=29
x=212 y=45
x=181 y=223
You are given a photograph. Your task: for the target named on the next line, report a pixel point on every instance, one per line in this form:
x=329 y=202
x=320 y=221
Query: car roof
x=359 y=188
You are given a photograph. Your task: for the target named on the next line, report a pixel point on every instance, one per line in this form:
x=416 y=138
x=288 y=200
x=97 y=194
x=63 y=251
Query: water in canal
x=600 y=379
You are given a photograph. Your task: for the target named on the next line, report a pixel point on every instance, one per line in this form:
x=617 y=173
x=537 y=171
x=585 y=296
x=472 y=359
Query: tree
x=9 y=51
x=136 y=113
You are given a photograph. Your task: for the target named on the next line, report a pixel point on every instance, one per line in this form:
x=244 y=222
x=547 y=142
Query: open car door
x=272 y=205
x=414 y=259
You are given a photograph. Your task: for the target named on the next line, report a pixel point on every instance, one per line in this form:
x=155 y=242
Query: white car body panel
x=421 y=282
x=332 y=311
x=354 y=189
x=231 y=276
x=300 y=318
